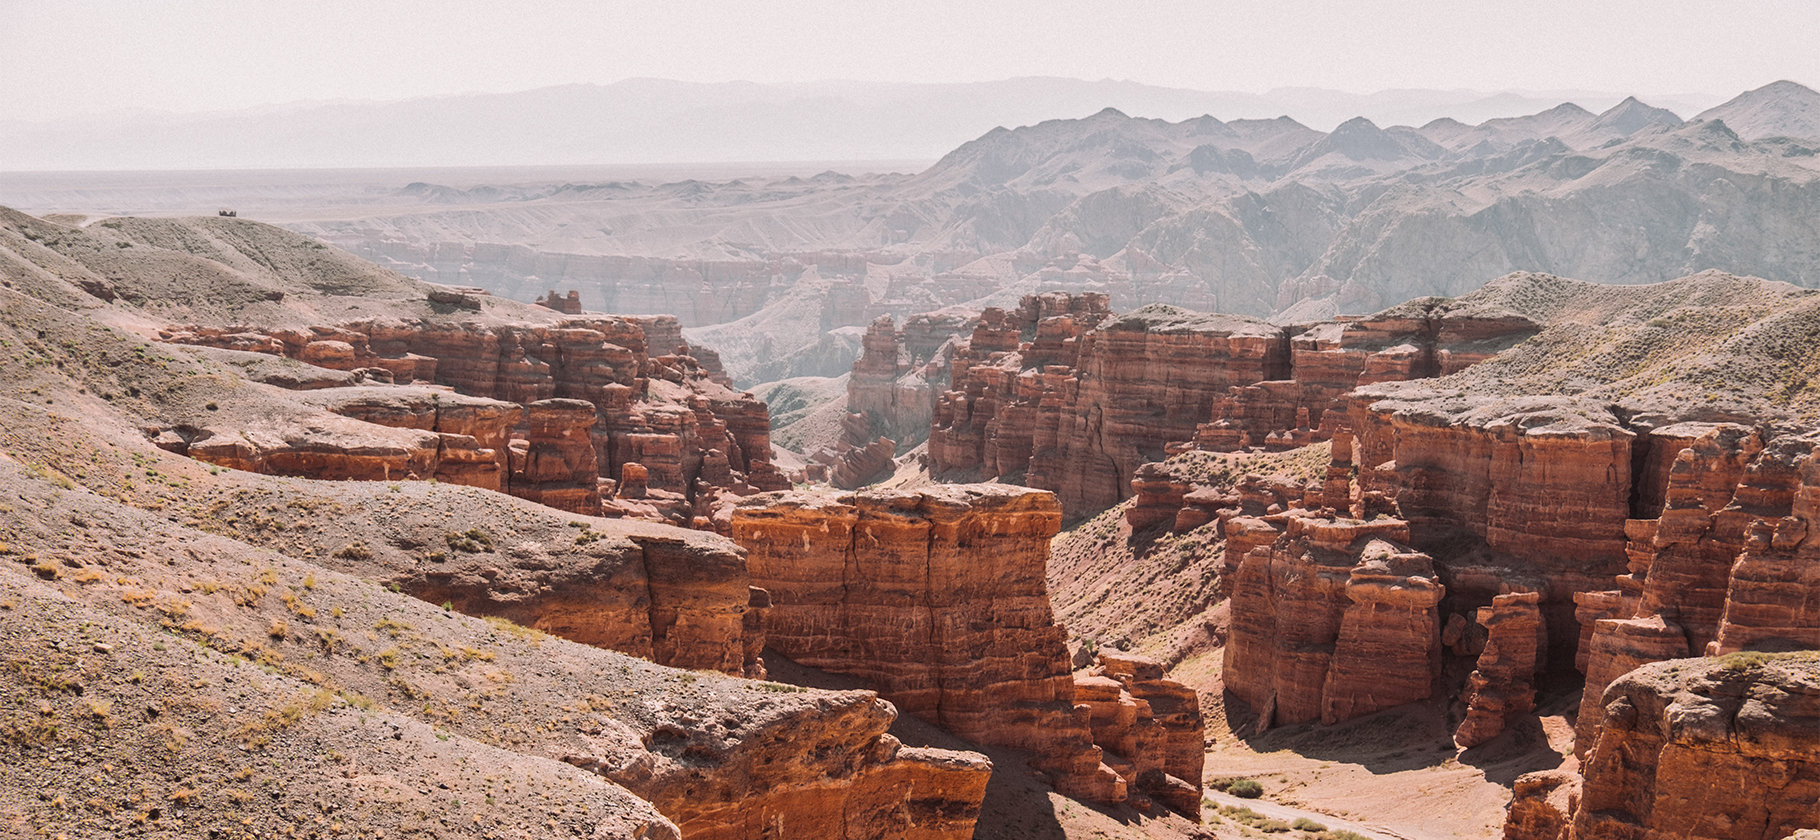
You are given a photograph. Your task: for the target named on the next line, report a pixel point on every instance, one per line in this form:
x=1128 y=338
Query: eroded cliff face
x=595 y=394
x=1080 y=404
x=160 y=576
x=937 y=598
x=1706 y=747
x=894 y=383
x=1148 y=726
x=1332 y=620
x=1709 y=749
x=1728 y=566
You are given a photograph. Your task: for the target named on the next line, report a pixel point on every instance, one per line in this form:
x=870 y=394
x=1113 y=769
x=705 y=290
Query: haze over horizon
x=67 y=59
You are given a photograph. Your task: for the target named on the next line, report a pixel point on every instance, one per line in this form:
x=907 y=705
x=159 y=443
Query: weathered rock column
x=558 y=467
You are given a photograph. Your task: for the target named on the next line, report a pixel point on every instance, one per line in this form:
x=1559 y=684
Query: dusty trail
x=1288 y=814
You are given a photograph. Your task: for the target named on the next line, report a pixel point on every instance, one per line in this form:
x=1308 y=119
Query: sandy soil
x=1396 y=773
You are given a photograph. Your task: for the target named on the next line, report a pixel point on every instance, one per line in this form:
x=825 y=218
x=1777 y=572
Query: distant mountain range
x=656 y=121
x=1261 y=216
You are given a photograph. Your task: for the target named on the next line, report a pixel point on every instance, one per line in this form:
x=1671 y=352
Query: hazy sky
x=77 y=56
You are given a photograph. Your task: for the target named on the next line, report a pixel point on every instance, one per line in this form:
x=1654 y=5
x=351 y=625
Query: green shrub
x=1245 y=789
x=1306 y=824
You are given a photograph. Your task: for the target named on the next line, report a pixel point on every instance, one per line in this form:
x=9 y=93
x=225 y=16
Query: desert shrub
x=1245 y=789
x=1306 y=824
x=471 y=541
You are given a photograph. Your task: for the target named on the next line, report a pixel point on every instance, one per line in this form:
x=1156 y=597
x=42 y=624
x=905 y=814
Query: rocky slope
x=583 y=397
x=245 y=648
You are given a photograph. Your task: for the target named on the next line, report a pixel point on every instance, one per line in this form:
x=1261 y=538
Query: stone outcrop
x=1331 y=620
x=1087 y=399
x=857 y=468
x=324 y=446
x=668 y=412
x=937 y=598
x=570 y=305
x=894 y=383
x=988 y=423
x=1728 y=565
x=1502 y=686
x=557 y=466
x=1541 y=805
x=1725 y=749
x=1333 y=616
x=473 y=433
x=1706 y=748
x=1420 y=339
x=776 y=782
x=1149 y=727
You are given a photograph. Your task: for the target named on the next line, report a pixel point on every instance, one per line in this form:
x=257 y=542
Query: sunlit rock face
x=1716 y=749
x=936 y=597
x=651 y=402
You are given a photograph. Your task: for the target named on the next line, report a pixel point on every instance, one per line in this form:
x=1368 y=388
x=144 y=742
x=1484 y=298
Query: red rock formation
x=1331 y=620
x=1541 y=805
x=1502 y=687
x=557 y=467
x=327 y=447
x=968 y=433
x=666 y=412
x=894 y=383
x=1149 y=727
x=1707 y=750
x=937 y=598
x=1540 y=487
x=570 y=305
x=474 y=432
x=860 y=467
x=1158 y=497
x=1144 y=380
x=1726 y=567
x=1089 y=400
x=681 y=599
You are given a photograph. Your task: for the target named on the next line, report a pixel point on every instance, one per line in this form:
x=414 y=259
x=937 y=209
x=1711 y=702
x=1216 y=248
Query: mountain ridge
x=656 y=120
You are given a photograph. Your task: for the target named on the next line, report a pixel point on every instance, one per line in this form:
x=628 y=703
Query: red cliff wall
x=1086 y=398
x=1729 y=564
x=937 y=598
x=664 y=411
x=1705 y=750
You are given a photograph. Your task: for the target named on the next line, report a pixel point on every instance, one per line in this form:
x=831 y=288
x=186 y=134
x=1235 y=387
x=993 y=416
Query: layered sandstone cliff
x=1332 y=619
x=666 y=412
x=1727 y=566
x=1148 y=726
x=1084 y=402
x=1708 y=749
x=937 y=598
x=162 y=577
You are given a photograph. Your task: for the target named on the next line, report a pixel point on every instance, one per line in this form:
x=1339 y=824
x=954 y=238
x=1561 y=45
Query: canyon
x=1069 y=541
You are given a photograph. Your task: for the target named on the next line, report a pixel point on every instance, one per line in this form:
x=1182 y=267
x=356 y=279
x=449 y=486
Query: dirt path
x=1288 y=814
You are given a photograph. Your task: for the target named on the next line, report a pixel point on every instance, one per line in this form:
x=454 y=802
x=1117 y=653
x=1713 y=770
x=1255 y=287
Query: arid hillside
x=203 y=648
x=296 y=541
